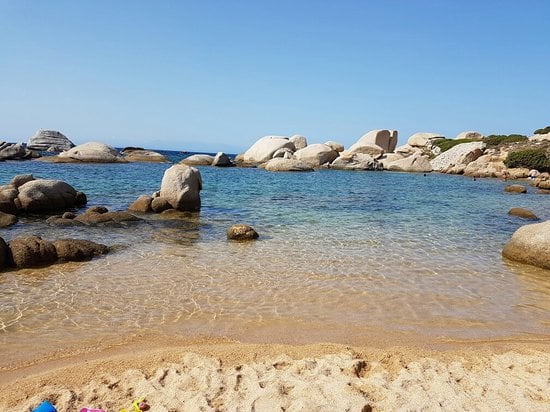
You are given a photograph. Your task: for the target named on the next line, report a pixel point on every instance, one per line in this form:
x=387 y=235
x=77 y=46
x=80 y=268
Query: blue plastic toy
x=45 y=406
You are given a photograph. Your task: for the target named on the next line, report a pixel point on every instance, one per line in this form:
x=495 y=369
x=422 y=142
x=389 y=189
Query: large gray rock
x=461 y=154
x=91 y=152
x=415 y=163
x=9 y=151
x=422 y=139
x=32 y=251
x=355 y=161
x=530 y=244
x=181 y=186
x=77 y=250
x=280 y=164
x=385 y=139
x=299 y=141
x=264 y=148
x=316 y=155
x=222 y=160
x=43 y=195
x=198 y=160
x=50 y=140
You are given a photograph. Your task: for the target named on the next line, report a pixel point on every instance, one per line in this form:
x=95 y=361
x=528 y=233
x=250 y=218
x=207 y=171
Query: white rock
x=414 y=163
x=93 y=152
x=337 y=147
x=264 y=148
x=181 y=186
x=460 y=154
x=424 y=139
x=299 y=141
x=49 y=140
x=316 y=154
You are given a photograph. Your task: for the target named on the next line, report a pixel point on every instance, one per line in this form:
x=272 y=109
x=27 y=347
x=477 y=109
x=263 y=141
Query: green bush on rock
x=529 y=158
x=446 y=144
x=543 y=131
x=498 y=139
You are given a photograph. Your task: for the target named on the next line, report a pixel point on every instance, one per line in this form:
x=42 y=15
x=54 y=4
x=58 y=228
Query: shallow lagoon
x=342 y=256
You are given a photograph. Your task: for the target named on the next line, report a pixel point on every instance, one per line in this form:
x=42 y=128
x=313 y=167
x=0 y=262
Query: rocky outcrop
x=488 y=165
x=540 y=138
x=523 y=213
x=49 y=140
x=355 y=161
x=43 y=195
x=198 y=160
x=91 y=152
x=142 y=155
x=13 y=151
x=530 y=244
x=337 y=147
x=461 y=154
x=242 y=232
x=181 y=186
x=424 y=139
x=316 y=155
x=384 y=139
x=471 y=135
x=415 y=163
x=298 y=141
x=280 y=164
x=222 y=160
x=264 y=148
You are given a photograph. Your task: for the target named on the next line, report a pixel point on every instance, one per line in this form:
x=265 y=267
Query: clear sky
x=218 y=75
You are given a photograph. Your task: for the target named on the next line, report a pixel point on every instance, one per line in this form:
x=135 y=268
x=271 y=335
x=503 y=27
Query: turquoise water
x=342 y=256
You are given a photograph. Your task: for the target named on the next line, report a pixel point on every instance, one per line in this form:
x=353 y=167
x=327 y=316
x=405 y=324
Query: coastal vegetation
x=529 y=158
x=495 y=140
x=446 y=144
x=543 y=131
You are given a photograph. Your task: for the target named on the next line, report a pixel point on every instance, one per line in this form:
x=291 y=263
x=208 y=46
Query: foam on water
x=341 y=254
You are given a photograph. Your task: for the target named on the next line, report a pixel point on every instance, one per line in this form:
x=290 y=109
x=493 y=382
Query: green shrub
x=446 y=144
x=498 y=139
x=529 y=158
x=543 y=131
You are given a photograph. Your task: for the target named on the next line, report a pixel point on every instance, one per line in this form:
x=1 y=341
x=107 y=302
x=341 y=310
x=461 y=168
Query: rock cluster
x=25 y=194
x=180 y=190
x=14 y=151
x=33 y=251
x=95 y=215
x=49 y=140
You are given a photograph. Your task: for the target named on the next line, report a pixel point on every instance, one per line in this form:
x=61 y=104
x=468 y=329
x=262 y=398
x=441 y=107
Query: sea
x=342 y=257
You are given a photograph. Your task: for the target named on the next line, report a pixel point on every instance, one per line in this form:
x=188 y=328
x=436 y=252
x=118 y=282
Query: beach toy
x=139 y=406
x=45 y=406
x=92 y=410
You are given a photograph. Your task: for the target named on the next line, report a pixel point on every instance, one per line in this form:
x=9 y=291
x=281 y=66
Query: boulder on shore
x=355 y=161
x=198 y=160
x=11 y=151
x=515 y=189
x=222 y=160
x=49 y=140
x=32 y=251
x=298 y=141
x=264 y=148
x=44 y=195
x=280 y=164
x=523 y=213
x=181 y=186
x=423 y=139
x=77 y=250
x=415 y=163
x=530 y=244
x=142 y=155
x=384 y=139
x=316 y=155
x=91 y=152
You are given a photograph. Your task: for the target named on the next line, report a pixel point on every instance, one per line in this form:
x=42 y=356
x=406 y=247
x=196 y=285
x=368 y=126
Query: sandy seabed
x=218 y=375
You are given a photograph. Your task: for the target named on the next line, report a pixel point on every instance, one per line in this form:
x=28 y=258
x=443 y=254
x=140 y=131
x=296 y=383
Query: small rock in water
x=522 y=212
x=515 y=189
x=242 y=232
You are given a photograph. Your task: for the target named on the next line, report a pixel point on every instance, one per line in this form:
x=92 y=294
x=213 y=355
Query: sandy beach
x=175 y=375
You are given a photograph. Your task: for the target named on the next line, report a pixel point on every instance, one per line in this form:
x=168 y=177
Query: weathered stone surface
x=530 y=244
x=337 y=147
x=488 y=165
x=142 y=204
x=91 y=152
x=10 y=151
x=20 y=180
x=523 y=213
x=77 y=250
x=415 y=163
x=8 y=195
x=315 y=155
x=91 y=217
x=540 y=138
x=515 y=189
x=198 y=160
x=7 y=219
x=407 y=150
x=472 y=135
x=160 y=204
x=385 y=139
x=45 y=195
x=460 y=154
x=263 y=149
x=181 y=186
x=50 y=140
x=242 y=232
x=222 y=160
x=142 y=155
x=32 y=251
x=285 y=153
x=5 y=254
x=279 y=164
x=63 y=221
x=517 y=173
x=299 y=141
x=97 y=209
x=355 y=161
x=424 y=139
x=68 y=215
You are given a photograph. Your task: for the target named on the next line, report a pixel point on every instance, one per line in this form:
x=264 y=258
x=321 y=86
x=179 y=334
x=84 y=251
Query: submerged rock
x=49 y=140
x=523 y=213
x=77 y=250
x=241 y=232
x=530 y=244
x=32 y=251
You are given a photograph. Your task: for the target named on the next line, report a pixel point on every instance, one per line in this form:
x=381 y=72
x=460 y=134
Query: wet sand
x=175 y=374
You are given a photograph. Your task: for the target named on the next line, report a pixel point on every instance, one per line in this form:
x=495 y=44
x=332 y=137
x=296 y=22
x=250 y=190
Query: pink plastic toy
x=92 y=410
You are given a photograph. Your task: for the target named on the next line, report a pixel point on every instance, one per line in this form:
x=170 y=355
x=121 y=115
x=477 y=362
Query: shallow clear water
x=341 y=256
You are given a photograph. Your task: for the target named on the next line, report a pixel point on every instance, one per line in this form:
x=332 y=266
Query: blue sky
x=218 y=75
